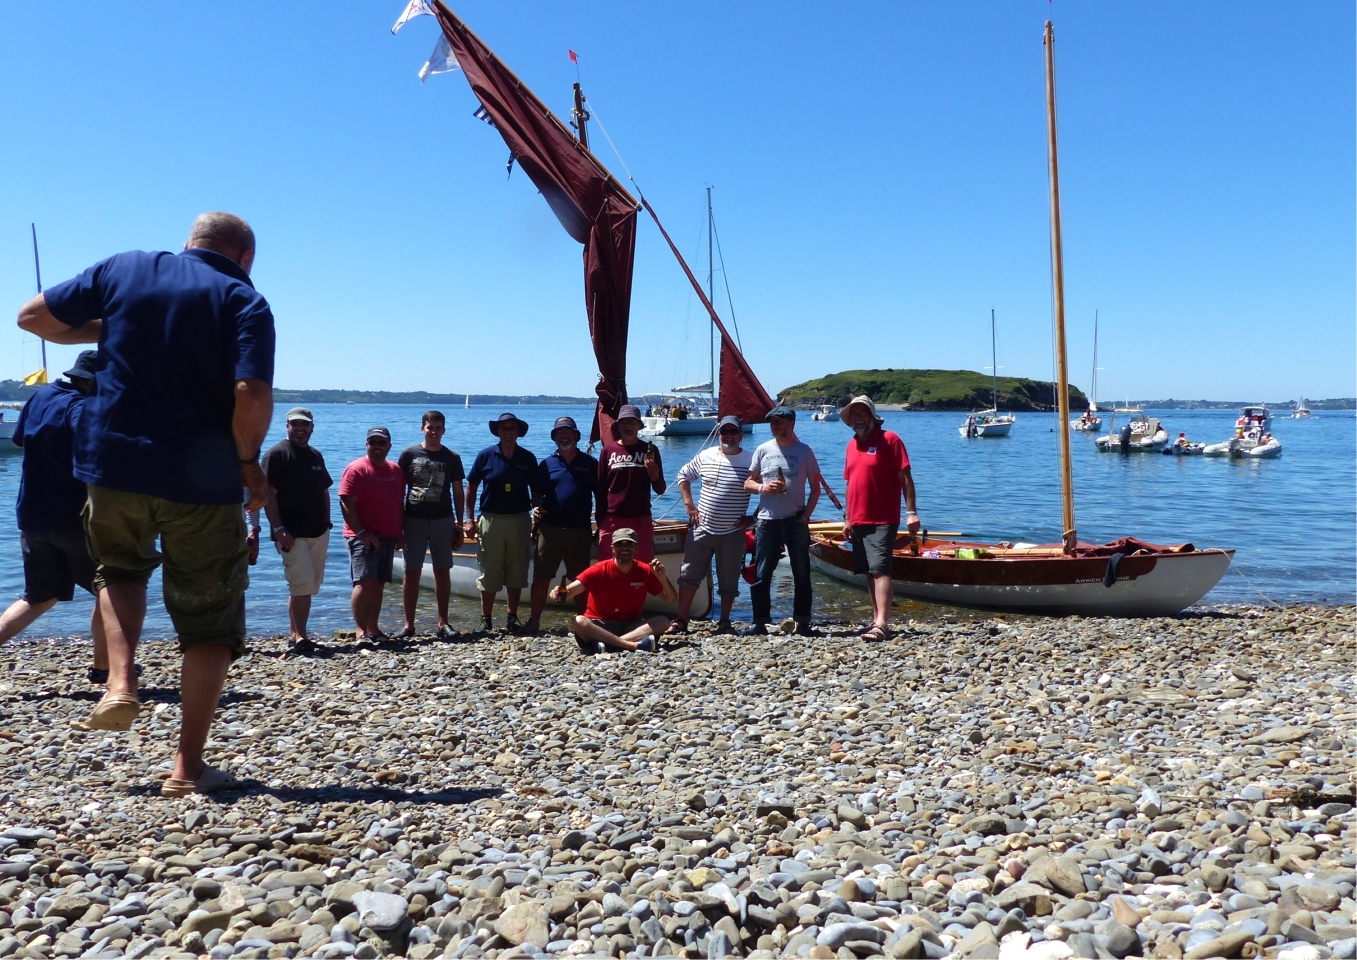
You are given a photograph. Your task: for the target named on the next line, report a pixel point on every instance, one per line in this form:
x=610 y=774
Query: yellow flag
x=36 y=377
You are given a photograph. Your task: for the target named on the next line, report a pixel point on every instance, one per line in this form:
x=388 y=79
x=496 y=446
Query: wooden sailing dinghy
x=1124 y=578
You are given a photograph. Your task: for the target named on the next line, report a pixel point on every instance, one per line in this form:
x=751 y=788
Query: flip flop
x=115 y=711
x=875 y=633
x=210 y=780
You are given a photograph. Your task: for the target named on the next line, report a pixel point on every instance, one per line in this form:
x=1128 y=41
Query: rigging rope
x=725 y=278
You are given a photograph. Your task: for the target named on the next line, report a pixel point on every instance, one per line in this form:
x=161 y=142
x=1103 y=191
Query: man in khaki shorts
x=182 y=401
x=299 y=515
x=504 y=472
x=566 y=494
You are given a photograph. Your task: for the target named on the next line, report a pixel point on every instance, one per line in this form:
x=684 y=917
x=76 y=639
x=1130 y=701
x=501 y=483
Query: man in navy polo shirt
x=565 y=495
x=504 y=472
x=181 y=405
x=56 y=558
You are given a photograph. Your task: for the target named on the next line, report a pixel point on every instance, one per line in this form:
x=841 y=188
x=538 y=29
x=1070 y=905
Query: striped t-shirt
x=722 y=501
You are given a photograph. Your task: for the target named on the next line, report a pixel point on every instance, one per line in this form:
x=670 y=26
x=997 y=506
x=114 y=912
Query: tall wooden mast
x=1070 y=535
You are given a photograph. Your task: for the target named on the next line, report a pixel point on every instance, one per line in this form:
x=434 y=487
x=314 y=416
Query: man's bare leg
x=881 y=598
x=410 y=595
x=367 y=606
x=727 y=605
x=19 y=615
x=685 y=603
x=201 y=680
x=538 y=599
x=442 y=592
x=586 y=628
x=298 y=612
x=123 y=609
x=100 y=637
x=487 y=603
x=513 y=593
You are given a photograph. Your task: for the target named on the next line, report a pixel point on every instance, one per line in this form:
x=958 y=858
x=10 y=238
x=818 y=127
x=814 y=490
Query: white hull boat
x=1254 y=417
x=1239 y=448
x=1146 y=435
x=1302 y=411
x=1184 y=449
x=669 y=541
x=1088 y=423
x=653 y=427
x=826 y=414
x=987 y=423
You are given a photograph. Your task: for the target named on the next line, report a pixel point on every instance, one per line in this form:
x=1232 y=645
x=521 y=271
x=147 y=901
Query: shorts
x=202 y=547
x=433 y=537
x=365 y=563
x=304 y=564
x=645 y=536
x=872 y=546
x=557 y=544
x=502 y=551
x=727 y=548
x=54 y=563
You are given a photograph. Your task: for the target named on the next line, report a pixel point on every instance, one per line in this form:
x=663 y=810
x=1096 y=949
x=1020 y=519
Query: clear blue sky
x=879 y=172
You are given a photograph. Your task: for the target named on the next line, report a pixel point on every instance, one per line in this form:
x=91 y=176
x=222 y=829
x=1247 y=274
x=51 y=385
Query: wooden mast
x=1070 y=535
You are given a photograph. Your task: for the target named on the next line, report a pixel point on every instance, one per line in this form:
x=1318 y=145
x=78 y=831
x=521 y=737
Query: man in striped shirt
x=716 y=522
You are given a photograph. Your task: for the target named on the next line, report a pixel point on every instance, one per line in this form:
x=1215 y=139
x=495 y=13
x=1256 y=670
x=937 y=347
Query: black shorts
x=366 y=563
x=872 y=546
x=54 y=563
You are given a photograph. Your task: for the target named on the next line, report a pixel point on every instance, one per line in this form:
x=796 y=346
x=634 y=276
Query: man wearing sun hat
x=505 y=473
x=876 y=468
x=629 y=470
x=565 y=496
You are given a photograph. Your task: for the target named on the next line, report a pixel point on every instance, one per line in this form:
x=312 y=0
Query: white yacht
x=827 y=413
x=989 y=423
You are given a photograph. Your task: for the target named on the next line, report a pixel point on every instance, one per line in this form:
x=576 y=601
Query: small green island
x=929 y=390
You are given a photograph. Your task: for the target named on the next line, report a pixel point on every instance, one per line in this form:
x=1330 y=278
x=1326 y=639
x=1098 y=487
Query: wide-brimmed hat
x=865 y=401
x=83 y=369
x=565 y=423
x=507 y=418
x=629 y=411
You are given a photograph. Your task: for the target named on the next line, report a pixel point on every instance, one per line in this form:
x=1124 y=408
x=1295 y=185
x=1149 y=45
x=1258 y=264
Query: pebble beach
x=978 y=785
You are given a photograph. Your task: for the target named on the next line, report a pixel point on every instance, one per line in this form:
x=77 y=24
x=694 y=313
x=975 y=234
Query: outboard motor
x=1126 y=438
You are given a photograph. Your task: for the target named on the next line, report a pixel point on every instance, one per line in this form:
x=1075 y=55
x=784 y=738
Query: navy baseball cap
x=382 y=432
x=729 y=421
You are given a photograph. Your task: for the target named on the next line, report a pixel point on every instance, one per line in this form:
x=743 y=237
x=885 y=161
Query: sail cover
x=592 y=206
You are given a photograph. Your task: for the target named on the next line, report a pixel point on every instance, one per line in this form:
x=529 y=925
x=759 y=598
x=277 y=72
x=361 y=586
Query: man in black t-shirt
x=299 y=515
x=434 y=501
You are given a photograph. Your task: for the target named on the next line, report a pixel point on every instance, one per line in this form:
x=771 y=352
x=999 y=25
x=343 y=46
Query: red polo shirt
x=378 y=491
x=614 y=595
x=872 y=468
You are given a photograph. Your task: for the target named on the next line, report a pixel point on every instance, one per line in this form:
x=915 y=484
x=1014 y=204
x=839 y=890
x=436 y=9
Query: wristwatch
x=273 y=534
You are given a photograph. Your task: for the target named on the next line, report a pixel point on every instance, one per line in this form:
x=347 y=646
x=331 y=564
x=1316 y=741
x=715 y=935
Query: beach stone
x=1225 y=945
x=1065 y=876
x=380 y=911
x=835 y=935
x=525 y=922
x=1030 y=898
x=1122 y=940
x=204 y=922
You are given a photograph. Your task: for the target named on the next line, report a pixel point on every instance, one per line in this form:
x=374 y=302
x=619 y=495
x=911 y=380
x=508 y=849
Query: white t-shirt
x=722 y=501
x=798 y=464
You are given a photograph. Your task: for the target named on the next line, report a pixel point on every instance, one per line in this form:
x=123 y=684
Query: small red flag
x=574 y=57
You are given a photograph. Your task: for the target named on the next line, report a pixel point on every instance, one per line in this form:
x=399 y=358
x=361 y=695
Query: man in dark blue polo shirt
x=505 y=472
x=182 y=402
x=566 y=496
x=56 y=558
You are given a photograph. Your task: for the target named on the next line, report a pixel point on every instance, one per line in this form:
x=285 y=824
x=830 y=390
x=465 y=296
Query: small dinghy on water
x=1183 y=447
x=1254 y=445
x=1140 y=434
x=1125 y=578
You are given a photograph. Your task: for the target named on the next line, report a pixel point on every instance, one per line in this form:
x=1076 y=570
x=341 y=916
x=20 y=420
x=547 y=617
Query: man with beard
x=564 y=496
x=629 y=469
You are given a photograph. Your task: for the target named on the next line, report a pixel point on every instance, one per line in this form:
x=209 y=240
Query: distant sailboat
x=1302 y=411
x=467 y=405
x=1090 y=421
x=989 y=423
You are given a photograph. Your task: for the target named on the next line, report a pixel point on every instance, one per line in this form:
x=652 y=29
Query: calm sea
x=1292 y=520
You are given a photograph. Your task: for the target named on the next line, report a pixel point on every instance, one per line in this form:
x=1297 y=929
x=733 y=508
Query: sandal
x=876 y=633
x=115 y=711
x=677 y=628
x=209 y=780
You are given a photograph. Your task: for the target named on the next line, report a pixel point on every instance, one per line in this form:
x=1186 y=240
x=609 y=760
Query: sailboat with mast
x=1090 y=421
x=1124 y=578
x=692 y=410
x=990 y=423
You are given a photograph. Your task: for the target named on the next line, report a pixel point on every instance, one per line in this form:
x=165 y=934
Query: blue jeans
x=770 y=537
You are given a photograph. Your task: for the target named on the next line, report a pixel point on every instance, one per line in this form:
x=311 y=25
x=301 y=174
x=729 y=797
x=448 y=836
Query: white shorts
x=304 y=564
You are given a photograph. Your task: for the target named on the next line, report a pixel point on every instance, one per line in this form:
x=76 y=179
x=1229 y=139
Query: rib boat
x=1127 y=577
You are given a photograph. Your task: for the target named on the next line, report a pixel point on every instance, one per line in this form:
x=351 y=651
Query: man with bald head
x=182 y=401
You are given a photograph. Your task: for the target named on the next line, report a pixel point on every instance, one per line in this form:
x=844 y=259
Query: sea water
x=1292 y=520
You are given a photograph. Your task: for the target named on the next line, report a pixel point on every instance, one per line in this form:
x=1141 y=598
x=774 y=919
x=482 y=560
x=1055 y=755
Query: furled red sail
x=592 y=206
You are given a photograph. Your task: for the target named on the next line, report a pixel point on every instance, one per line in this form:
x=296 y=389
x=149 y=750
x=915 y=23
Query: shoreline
x=1078 y=786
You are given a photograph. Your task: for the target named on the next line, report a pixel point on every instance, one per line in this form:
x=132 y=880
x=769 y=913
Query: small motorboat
x=1185 y=449
x=1254 y=416
x=1302 y=411
x=826 y=414
x=1089 y=422
x=1254 y=444
x=1140 y=434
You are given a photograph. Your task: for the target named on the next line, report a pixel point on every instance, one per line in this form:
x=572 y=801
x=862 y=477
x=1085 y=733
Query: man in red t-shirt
x=372 y=499
x=876 y=468
x=617 y=588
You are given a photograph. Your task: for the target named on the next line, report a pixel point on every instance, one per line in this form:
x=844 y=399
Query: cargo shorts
x=202 y=547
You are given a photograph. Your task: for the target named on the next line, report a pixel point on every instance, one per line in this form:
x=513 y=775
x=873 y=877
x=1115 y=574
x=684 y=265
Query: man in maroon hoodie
x=629 y=468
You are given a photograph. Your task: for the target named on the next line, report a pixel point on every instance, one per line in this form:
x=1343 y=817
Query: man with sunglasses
x=372 y=499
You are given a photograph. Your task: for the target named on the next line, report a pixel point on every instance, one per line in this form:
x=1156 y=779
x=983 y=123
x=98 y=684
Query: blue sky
x=879 y=173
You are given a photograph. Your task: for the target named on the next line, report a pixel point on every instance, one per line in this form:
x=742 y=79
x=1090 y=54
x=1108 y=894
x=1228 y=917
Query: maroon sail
x=592 y=206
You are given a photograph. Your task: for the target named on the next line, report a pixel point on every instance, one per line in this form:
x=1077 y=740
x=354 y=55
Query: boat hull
x=1145 y=586
x=669 y=543
x=1080 y=425
x=687 y=427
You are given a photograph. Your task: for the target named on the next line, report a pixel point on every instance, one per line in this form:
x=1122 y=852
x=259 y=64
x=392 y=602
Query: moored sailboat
x=1126 y=577
x=1089 y=422
x=989 y=423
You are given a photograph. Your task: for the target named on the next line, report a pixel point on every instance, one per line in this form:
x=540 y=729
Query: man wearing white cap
x=876 y=468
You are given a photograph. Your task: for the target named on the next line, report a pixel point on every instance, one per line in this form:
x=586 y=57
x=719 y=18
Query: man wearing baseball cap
x=564 y=495
x=372 y=499
x=617 y=590
x=298 y=509
x=876 y=467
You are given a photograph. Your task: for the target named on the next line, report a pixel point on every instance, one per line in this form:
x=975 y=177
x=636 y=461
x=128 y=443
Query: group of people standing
x=142 y=458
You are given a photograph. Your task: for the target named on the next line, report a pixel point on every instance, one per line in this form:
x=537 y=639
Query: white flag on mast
x=442 y=60
x=415 y=8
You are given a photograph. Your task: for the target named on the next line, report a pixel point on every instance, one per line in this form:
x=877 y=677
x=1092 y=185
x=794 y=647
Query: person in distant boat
x=716 y=523
x=504 y=472
x=51 y=536
x=1182 y=439
x=617 y=589
x=876 y=468
x=181 y=405
x=629 y=469
x=372 y=499
x=779 y=473
x=299 y=519
x=434 y=501
x=565 y=498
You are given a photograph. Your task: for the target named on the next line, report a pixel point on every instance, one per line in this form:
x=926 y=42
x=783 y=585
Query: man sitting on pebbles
x=617 y=589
